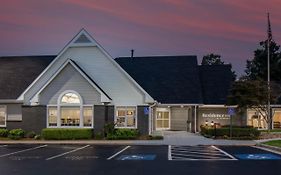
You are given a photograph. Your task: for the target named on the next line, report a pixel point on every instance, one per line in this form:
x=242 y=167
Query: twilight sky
x=231 y=28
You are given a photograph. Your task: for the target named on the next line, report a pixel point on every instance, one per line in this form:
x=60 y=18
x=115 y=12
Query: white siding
x=102 y=71
x=69 y=79
x=14 y=112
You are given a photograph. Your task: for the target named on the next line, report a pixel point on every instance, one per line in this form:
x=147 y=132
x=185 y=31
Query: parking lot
x=137 y=159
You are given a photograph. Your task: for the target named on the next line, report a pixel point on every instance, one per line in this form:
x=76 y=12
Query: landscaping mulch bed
x=270 y=135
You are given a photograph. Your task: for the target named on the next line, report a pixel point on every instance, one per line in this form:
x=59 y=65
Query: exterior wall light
x=206 y=123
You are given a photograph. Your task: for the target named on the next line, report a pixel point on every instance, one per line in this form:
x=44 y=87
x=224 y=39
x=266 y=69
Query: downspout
x=151 y=117
x=195 y=119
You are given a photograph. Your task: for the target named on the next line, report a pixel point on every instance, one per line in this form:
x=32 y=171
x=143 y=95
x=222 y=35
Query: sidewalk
x=186 y=138
x=170 y=138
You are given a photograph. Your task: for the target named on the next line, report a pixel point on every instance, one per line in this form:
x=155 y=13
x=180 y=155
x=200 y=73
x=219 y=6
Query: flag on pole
x=269 y=33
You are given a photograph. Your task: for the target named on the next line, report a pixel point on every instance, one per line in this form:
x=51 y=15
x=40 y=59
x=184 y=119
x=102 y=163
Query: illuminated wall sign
x=216 y=116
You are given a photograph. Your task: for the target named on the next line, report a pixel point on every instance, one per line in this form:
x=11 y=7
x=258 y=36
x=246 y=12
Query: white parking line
x=200 y=157
x=224 y=152
x=59 y=155
x=29 y=149
x=198 y=152
x=3 y=146
x=169 y=153
x=114 y=155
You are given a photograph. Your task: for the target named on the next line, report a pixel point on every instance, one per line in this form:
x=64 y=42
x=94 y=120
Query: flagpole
x=268 y=72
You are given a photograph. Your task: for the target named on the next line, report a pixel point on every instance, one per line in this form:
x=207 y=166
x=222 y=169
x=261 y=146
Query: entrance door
x=162 y=119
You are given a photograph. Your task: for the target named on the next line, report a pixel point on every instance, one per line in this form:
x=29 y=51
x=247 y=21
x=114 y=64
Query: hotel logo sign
x=216 y=116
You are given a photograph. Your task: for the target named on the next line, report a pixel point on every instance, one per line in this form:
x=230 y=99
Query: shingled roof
x=18 y=72
x=215 y=81
x=168 y=79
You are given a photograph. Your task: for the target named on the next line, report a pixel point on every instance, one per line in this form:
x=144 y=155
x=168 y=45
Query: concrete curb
x=125 y=142
x=274 y=148
x=63 y=142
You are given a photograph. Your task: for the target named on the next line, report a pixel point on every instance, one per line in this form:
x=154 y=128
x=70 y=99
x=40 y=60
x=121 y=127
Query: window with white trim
x=70 y=112
x=126 y=117
x=53 y=115
x=3 y=116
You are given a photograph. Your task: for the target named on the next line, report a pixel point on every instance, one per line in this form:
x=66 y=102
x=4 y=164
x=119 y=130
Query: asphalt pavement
x=136 y=159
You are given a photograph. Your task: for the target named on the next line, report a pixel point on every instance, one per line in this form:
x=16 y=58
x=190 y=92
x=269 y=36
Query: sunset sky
x=231 y=28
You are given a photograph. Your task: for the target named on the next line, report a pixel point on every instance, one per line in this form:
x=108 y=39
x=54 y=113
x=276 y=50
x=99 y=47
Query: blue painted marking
x=146 y=110
x=137 y=157
x=258 y=156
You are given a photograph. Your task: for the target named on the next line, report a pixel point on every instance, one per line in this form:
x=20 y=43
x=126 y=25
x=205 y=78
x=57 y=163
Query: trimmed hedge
x=67 y=133
x=237 y=132
x=123 y=134
x=4 y=132
x=16 y=134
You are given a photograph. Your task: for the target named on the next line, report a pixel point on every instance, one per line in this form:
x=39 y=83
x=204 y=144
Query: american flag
x=269 y=33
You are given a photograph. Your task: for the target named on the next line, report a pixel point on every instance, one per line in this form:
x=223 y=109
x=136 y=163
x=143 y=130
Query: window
x=126 y=117
x=162 y=118
x=70 y=98
x=3 y=115
x=256 y=120
x=277 y=119
x=70 y=112
x=70 y=116
x=52 y=116
x=88 y=116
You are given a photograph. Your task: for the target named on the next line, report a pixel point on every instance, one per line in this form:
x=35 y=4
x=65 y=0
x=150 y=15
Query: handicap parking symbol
x=137 y=157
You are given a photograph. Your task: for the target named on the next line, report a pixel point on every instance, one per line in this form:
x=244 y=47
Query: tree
x=212 y=59
x=257 y=67
x=215 y=59
x=253 y=94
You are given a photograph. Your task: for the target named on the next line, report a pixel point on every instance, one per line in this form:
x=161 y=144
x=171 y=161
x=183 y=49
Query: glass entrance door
x=162 y=119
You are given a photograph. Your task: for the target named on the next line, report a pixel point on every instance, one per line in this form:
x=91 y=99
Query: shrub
x=98 y=136
x=109 y=129
x=66 y=133
x=16 y=134
x=237 y=132
x=4 y=132
x=124 y=134
x=30 y=134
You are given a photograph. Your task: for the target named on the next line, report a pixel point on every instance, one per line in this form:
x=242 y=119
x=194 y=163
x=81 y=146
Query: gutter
x=11 y=101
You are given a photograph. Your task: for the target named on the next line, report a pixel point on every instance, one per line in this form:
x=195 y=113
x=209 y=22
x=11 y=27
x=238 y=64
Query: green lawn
x=274 y=143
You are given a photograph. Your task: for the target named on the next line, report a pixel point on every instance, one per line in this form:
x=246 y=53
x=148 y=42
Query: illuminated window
x=126 y=117
x=256 y=119
x=52 y=116
x=70 y=112
x=88 y=116
x=162 y=118
x=277 y=118
x=3 y=115
x=70 y=98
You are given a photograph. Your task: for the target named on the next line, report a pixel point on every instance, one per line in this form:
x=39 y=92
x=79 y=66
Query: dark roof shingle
x=18 y=72
x=168 y=79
